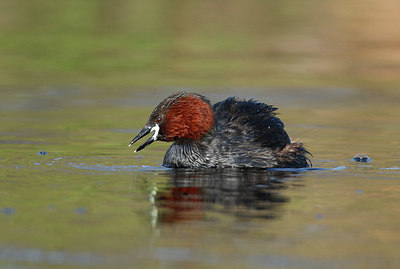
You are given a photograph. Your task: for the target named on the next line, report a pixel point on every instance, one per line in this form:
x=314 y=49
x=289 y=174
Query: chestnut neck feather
x=189 y=117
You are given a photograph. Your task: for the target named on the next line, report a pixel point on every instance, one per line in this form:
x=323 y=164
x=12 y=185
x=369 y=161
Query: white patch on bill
x=156 y=129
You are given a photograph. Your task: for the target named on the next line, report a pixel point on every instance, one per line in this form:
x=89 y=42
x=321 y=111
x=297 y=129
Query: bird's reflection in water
x=248 y=193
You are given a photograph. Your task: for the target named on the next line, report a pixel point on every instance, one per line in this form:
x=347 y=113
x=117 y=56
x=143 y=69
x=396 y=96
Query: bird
x=232 y=133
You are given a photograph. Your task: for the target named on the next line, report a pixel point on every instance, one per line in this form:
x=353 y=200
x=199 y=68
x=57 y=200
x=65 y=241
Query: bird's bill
x=145 y=131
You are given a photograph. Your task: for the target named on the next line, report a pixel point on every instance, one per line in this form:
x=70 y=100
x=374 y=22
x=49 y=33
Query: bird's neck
x=187 y=153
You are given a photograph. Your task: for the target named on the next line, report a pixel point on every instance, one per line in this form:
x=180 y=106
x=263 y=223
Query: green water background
x=200 y=43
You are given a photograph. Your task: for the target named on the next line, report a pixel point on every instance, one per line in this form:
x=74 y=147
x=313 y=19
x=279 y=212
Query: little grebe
x=231 y=133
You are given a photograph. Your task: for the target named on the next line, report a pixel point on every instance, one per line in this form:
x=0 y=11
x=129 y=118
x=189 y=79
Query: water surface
x=74 y=195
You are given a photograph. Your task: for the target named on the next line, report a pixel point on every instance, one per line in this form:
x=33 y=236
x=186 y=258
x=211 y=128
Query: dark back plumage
x=254 y=120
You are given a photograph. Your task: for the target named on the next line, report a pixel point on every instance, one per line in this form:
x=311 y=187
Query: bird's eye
x=158 y=119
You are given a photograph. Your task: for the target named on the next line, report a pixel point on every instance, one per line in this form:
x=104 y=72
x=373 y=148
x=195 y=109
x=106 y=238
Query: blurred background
x=134 y=44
